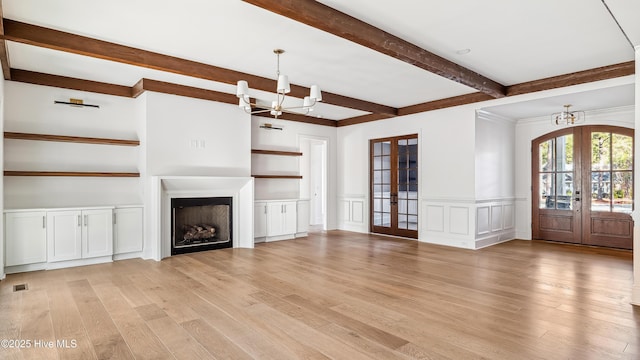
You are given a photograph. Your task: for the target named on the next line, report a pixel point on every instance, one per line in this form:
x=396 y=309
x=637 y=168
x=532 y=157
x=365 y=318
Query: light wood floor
x=337 y=295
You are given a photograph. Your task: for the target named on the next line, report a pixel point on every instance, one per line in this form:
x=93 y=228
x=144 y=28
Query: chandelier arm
x=296 y=107
x=244 y=99
x=260 y=111
x=288 y=111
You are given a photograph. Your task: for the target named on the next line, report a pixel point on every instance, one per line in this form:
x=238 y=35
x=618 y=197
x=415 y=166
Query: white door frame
x=305 y=171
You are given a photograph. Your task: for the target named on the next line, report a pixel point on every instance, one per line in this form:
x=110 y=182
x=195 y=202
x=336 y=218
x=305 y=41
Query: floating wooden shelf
x=70 y=173
x=275 y=152
x=72 y=139
x=277 y=176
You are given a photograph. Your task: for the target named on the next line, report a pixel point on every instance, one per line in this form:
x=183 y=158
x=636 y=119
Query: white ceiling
x=511 y=42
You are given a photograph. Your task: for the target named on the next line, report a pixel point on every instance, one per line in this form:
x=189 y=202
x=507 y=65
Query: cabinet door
x=260 y=219
x=289 y=217
x=303 y=216
x=275 y=213
x=127 y=235
x=64 y=235
x=97 y=233
x=25 y=238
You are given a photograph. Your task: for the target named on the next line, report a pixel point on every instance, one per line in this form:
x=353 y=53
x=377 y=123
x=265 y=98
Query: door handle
x=577 y=199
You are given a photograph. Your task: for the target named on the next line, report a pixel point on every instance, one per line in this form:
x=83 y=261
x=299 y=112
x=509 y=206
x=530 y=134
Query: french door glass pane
x=622 y=154
x=600 y=151
x=623 y=192
x=377 y=149
x=600 y=191
x=547 y=191
x=377 y=163
x=564 y=153
x=564 y=191
x=545 y=150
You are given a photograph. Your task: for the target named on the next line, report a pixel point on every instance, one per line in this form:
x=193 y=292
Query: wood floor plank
x=338 y=295
x=177 y=339
x=107 y=341
x=142 y=342
x=216 y=343
x=68 y=326
x=36 y=327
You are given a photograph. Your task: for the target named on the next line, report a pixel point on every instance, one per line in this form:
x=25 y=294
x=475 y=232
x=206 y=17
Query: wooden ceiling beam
x=363 y=119
x=187 y=91
x=4 y=55
x=300 y=118
x=63 y=41
x=444 y=103
x=576 y=78
x=65 y=82
x=328 y=19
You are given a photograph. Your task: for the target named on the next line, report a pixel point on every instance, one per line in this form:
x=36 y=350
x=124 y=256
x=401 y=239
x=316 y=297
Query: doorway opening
x=313 y=186
x=583 y=186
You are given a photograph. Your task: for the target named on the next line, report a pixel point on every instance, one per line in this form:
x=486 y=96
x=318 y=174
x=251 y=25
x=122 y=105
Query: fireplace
x=199 y=224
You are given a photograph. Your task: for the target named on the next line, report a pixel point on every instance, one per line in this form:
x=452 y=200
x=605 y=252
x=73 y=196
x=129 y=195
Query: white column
x=635 y=297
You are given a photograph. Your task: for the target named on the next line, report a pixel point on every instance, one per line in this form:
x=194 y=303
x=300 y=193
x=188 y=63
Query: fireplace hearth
x=199 y=224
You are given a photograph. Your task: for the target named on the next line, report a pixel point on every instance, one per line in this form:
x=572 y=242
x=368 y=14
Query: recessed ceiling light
x=463 y=51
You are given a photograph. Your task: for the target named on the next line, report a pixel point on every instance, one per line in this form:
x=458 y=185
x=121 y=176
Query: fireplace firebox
x=199 y=224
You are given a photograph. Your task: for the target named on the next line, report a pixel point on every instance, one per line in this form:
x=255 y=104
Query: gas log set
x=199 y=233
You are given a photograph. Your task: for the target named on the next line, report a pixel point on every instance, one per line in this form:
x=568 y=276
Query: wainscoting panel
x=495 y=222
x=467 y=223
x=354 y=213
x=459 y=220
x=496 y=217
x=509 y=216
x=483 y=220
x=357 y=211
x=434 y=218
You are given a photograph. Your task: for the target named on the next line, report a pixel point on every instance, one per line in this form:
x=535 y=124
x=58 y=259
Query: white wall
x=188 y=136
x=288 y=139
x=31 y=109
x=529 y=129
x=446 y=142
x=494 y=179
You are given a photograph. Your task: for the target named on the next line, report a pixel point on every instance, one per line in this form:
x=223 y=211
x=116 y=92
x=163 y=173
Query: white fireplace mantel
x=164 y=188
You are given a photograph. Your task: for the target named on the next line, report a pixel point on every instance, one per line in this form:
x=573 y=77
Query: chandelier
x=567 y=117
x=282 y=88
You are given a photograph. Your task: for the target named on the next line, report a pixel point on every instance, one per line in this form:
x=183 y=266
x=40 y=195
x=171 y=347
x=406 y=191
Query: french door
x=583 y=186
x=394 y=186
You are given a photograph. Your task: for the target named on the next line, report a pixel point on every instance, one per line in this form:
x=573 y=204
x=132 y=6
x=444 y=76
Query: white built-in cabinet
x=280 y=219
x=127 y=230
x=53 y=238
x=28 y=233
x=79 y=234
x=260 y=219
